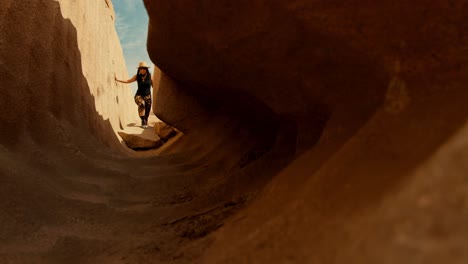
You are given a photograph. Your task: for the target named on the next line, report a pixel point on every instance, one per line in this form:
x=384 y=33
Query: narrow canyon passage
x=92 y=206
x=70 y=191
x=314 y=132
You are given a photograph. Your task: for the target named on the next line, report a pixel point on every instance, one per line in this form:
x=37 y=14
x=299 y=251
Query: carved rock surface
x=58 y=62
x=370 y=99
x=164 y=131
x=314 y=132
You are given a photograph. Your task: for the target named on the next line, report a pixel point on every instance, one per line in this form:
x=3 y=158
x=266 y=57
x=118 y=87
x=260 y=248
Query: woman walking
x=143 y=94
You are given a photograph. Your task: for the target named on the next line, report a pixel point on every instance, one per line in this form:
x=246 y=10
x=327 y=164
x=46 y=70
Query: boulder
x=164 y=131
x=137 y=142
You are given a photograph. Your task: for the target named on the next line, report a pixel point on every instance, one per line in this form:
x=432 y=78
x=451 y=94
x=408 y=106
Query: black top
x=144 y=86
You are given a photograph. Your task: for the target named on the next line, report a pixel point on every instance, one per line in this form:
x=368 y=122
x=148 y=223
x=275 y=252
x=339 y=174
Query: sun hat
x=142 y=65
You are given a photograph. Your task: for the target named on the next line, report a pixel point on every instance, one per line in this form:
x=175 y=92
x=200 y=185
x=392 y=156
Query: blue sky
x=131 y=23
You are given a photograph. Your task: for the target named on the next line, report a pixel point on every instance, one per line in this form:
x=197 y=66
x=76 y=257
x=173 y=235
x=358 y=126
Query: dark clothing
x=144 y=85
x=144 y=105
x=143 y=96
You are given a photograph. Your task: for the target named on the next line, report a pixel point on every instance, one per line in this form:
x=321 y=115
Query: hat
x=142 y=65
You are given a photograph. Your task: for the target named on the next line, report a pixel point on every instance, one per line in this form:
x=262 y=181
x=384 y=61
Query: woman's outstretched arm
x=127 y=81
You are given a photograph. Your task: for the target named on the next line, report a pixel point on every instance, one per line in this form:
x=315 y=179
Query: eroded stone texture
x=164 y=131
x=316 y=132
x=57 y=69
x=372 y=94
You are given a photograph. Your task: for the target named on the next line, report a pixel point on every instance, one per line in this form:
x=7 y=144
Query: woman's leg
x=147 y=107
x=141 y=109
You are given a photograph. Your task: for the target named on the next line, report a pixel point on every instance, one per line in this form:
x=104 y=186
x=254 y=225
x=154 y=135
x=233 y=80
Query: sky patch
x=131 y=24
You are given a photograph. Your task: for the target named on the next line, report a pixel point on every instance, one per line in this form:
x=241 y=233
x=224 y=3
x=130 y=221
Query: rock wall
x=315 y=132
x=58 y=66
x=60 y=110
x=102 y=58
x=372 y=96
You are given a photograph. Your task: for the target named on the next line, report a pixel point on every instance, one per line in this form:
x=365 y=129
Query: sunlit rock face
x=138 y=142
x=60 y=110
x=371 y=94
x=58 y=64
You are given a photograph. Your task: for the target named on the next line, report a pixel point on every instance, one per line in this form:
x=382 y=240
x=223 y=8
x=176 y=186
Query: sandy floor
x=80 y=203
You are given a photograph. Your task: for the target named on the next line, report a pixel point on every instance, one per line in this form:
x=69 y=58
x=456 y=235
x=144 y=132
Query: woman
x=143 y=94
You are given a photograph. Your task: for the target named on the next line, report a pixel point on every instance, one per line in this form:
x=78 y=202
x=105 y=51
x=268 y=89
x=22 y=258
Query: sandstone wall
x=316 y=132
x=371 y=94
x=59 y=113
x=58 y=66
x=102 y=57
